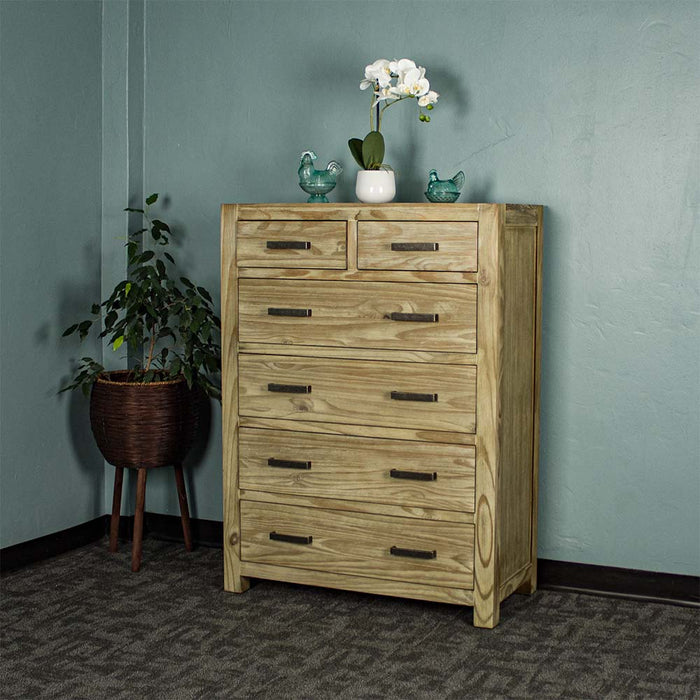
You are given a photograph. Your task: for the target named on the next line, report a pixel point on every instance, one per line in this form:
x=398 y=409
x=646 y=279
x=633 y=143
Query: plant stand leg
x=116 y=509
x=136 y=547
x=184 y=510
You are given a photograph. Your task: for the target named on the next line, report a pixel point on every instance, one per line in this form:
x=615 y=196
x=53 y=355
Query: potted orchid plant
x=391 y=82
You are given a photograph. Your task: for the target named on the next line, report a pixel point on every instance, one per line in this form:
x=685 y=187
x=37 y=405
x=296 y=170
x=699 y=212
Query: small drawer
x=417 y=245
x=401 y=316
x=403 y=549
x=291 y=244
x=396 y=472
x=359 y=392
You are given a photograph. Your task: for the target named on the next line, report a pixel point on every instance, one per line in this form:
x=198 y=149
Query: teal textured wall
x=589 y=108
x=51 y=473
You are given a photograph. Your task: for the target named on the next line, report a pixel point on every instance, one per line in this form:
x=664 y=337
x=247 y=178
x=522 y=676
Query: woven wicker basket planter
x=142 y=425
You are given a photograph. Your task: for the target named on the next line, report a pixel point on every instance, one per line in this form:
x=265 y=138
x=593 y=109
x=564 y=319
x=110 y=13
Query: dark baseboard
x=623 y=583
x=207 y=533
x=551 y=575
x=26 y=553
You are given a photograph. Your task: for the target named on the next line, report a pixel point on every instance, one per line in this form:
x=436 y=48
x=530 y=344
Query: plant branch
x=151 y=346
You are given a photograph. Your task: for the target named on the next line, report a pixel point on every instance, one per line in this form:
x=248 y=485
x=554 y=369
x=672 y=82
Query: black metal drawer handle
x=415 y=476
x=414 y=553
x=289 y=388
x=302 y=313
x=415 y=246
x=293 y=539
x=289 y=245
x=424 y=318
x=287 y=464
x=409 y=396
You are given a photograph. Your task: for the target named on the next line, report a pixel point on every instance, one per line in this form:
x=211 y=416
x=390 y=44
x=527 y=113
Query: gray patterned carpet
x=83 y=626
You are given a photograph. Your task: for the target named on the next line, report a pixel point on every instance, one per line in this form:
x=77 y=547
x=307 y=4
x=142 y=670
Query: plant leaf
x=118 y=343
x=355 y=146
x=204 y=293
x=373 y=150
x=152 y=199
x=160 y=225
x=70 y=330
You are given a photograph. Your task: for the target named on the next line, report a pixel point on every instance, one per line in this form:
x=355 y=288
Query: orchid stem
x=379 y=121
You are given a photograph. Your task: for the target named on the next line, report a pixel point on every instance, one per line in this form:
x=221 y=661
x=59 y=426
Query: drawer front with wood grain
x=411 y=474
x=379 y=546
x=417 y=245
x=395 y=315
x=387 y=394
x=292 y=244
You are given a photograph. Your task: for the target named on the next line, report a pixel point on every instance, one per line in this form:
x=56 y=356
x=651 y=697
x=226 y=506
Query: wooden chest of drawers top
x=393 y=237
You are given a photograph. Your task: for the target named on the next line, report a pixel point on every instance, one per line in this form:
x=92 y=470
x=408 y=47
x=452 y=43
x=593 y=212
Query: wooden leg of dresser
x=487 y=611
x=487 y=585
x=233 y=581
x=529 y=585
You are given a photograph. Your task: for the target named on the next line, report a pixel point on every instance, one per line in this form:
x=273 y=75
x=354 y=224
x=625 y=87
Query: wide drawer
x=412 y=474
x=404 y=549
x=392 y=394
x=417 y=245
x=436 y=317
x=307 y=244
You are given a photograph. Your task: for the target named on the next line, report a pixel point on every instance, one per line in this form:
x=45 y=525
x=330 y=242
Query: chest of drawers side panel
x=516 y=477
x=233 y=581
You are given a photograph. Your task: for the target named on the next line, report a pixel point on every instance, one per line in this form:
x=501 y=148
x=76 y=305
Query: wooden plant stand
x=137 y=545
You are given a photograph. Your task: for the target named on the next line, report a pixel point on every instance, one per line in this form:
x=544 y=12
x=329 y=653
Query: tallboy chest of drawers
x=381 y=398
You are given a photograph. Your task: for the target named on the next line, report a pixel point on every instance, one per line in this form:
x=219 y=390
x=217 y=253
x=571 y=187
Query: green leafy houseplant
x=171 y=323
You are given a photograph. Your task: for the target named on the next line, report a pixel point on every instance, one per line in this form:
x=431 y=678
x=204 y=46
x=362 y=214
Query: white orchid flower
x=401 y=67
x=430 y=98
x=382 y=95
x=377 y=72
x=394 y=81
x=414 y=82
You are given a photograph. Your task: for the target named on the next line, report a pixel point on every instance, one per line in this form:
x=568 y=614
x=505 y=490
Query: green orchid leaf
x=355 y=146
x=373 y=150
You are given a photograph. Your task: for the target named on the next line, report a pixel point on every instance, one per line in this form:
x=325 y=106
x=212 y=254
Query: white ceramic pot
x=375 y=186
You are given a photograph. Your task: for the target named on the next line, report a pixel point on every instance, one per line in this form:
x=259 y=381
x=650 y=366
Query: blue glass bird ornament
x=444 y=190
x=317 y=183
